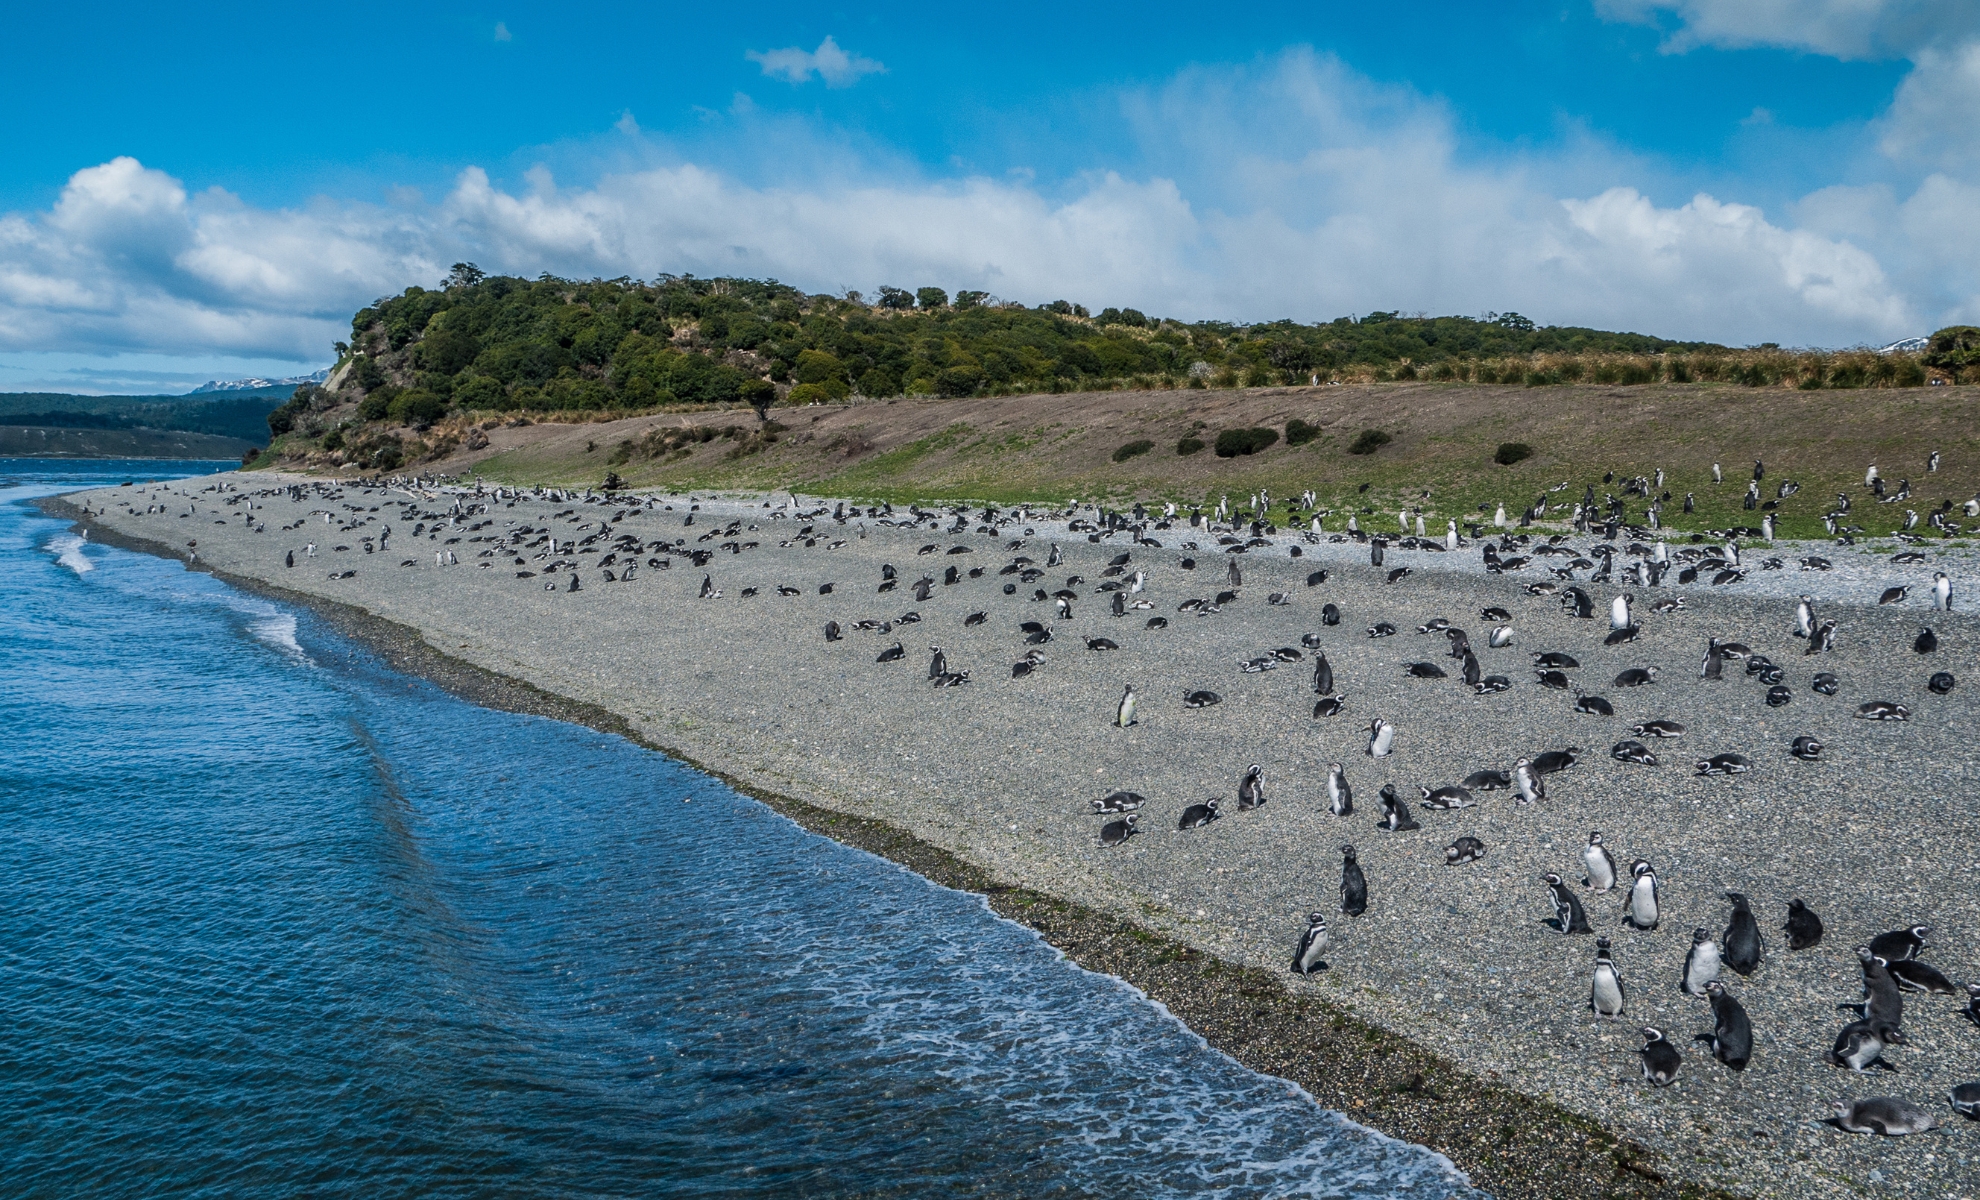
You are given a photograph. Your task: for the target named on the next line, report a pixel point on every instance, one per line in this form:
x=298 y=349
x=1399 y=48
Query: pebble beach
x=1880 y=833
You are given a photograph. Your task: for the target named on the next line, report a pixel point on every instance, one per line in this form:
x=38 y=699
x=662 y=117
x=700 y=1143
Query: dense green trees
x=496 y=342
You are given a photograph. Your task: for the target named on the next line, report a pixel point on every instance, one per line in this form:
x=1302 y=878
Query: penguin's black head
x=1700 y=936
x=1595 y=837
x=1715 y=989
x=1551 y=879
x=1738 y=899
x=1347 y=853
x=1652 y=1034
x=1602 y=944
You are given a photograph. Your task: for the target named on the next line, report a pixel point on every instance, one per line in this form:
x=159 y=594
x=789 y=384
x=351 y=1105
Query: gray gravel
x=1882 y=833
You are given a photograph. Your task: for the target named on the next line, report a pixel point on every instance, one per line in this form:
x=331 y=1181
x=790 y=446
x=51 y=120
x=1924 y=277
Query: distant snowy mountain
x=1905 y=346
x=248 y=385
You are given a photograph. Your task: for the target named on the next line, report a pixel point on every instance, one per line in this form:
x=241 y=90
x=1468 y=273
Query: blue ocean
x=279 y=921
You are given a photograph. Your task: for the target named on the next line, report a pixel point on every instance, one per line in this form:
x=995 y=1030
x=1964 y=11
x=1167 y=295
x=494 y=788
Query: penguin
x=1731 y=1037
x=1806 y=748
x=893 y=653
x=1312 y=944
x=1894 y=595
x=1527 y=783
x=1941 y=683
x=1860 y=1046
x=1883 y=1001
x=1381 y=738
x=1464 y=850
x=1926 y=641
x=1340 y=798
x=1803 y=927
x=1196 y=816
x=1972 y=1010
x=1124 y=715
x=1354 y=885
x=1714 y=665
x=1914 y=975
x=291 y=560
x=1886 y=1115
x=1200 y=699
x=1804 y=617
x=707 y=587
x=1236 y=576
x=832 y=633
x=1825 y=684
x=1251 y=789
x=1395 y=812
x=1568 y=915
x=1701 y=963
x=1605 y=992
x=1661 y=1059
x=1500 y=637
x=1941 y=591
x=1600 y=865
x=1116 y=833
x=938 y=663
x=1640 y=910
x=1118 y=802
x=1743 y=945
x=1330 y=614
x=1965 y=1100
x=1900 y=944
x=1824 y=638
x=1329 y=706
x=1619 y=612
x=1882 y=710
x=1323 y=675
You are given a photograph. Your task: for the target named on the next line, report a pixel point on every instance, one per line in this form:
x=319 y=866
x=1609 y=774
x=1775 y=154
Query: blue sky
x=191 y=195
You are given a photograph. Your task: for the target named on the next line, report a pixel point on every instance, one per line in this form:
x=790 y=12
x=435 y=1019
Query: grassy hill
x=1046 y=448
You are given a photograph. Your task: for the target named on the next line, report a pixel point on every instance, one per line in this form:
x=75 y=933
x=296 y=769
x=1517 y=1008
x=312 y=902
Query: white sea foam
x=278 y=629
x=67 y=549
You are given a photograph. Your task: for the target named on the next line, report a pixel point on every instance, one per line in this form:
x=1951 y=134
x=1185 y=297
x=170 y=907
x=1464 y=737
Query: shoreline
x=1510 y=1143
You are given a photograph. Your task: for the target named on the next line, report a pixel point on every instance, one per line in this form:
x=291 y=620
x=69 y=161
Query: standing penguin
x=1600 y=864
x=1941 y=591
x=1312 y=944
x=1236 y=576
x=1732 y=1030
x=938 y=663
x=291 y=561
x=1714 y=665
x=1804 y=617
x=1340 y=798
x=1640 y=910
x=1742 y=936
x=1605 y=991
x=1804 y=928
x=1354 y=885
x=1619 y=612
x=1381 y=738
x=1124 y=717
x=1701 y=964
x=1568 y=916
x=1323 y=675
x=1824 y=638
x=1251 y=789
x=1527 y=783
x=1661 y=1060
x=1883 y=1002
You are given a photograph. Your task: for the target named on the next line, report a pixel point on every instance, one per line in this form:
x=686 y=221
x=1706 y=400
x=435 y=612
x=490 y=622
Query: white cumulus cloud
x=829 y=62
x=1291 y=187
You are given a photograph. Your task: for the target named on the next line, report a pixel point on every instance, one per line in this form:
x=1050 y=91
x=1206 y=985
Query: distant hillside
x=551 y=344
x=27 y=441
x=260 y=386
x=239 y=415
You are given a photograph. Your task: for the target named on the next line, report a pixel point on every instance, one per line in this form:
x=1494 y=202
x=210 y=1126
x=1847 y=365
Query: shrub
x=1954 y=347
x=418 y=408
x=1233 y=442
x=1368 y=441
x=1132 y=449
x=1188 y=446
x=377 y=403
x=1512 y=452
x=1298 y=432
x=334 y=440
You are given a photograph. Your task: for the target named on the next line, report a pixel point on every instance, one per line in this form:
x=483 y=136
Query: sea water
x=278 y=920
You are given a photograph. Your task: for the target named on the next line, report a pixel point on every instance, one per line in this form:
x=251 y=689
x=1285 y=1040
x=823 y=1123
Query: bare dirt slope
x=1054 y=447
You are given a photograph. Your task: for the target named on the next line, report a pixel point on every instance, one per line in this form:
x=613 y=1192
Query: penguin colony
x=1125 y=586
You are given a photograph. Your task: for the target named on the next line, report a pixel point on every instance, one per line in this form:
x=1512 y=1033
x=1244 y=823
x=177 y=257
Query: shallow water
x=282 y=920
